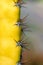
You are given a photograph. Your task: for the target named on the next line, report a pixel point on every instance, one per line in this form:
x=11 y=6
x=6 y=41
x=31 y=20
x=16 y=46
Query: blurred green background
x=34 y=39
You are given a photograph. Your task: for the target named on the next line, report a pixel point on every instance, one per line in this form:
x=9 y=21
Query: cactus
x=11 y=29
x=10 y=32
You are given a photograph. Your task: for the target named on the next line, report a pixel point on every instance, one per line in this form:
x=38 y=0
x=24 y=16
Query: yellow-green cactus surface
x=9 y=32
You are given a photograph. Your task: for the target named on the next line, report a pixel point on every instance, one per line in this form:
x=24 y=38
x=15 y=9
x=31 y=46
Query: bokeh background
x=34 y=39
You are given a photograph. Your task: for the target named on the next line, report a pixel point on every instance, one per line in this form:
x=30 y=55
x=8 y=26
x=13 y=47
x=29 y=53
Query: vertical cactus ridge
x=11 y=28
x=9 y=32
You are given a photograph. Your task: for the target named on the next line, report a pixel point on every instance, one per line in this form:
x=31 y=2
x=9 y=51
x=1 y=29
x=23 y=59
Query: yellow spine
x=10 y=32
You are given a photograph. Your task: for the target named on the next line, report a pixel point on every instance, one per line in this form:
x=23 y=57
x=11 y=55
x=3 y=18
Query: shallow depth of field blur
x=33 y=56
